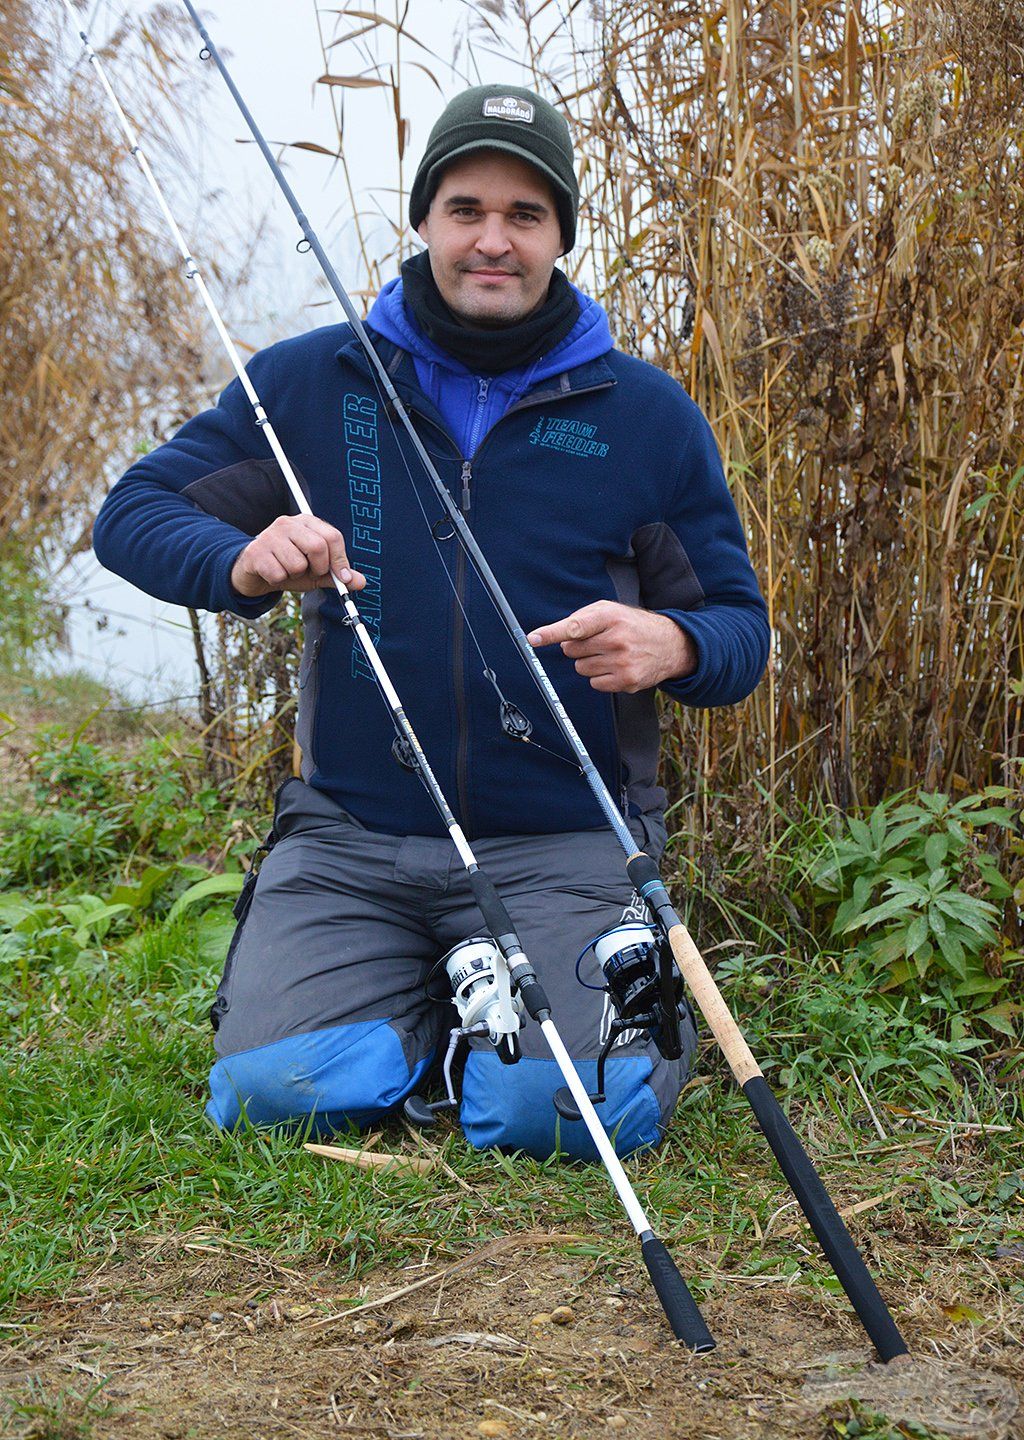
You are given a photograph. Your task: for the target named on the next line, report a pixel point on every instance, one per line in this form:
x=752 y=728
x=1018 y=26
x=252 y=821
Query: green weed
x=57 y=1415
x=915 y=885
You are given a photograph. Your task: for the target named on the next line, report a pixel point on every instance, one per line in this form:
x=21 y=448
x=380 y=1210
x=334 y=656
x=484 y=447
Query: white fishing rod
x=510 y=969
x=797 y=1166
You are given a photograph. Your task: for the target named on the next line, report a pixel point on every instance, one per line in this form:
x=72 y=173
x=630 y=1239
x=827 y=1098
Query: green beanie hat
x=501 y=117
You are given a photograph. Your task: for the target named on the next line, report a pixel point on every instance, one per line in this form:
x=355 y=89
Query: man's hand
x=621 y=648
x=297 y=553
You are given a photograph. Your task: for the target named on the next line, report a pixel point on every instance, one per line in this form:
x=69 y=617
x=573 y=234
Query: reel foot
x=508 y=1048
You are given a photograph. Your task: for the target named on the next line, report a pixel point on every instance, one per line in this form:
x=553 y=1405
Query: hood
x=588 y=339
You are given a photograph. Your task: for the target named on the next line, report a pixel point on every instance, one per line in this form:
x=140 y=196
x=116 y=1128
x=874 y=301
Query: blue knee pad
x=346 y=1074
x=512 y=1106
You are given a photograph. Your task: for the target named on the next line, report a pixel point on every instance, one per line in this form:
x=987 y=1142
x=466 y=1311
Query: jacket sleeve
x=695 y=569
x=175 y=523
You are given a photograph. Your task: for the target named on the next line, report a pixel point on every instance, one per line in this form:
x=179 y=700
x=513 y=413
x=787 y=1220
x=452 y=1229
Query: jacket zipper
x=458 y=662
x=483 y=386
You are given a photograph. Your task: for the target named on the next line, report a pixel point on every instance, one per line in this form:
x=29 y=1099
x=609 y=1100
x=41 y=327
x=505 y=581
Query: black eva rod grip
x=824 y=1219
x=678 y=1304
x=490 y=905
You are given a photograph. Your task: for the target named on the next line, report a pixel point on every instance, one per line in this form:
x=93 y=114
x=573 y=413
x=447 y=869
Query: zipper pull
x=467 y=471
x=484 y=386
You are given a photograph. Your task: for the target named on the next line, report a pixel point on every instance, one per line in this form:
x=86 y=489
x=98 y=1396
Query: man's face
x=493 y=236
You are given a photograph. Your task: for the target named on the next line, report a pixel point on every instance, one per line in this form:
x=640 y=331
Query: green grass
x=58 y=1414
x=102 y=1136
x=107 y=1046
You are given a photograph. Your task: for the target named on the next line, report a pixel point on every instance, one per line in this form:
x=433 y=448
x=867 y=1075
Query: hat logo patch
x=508 y=107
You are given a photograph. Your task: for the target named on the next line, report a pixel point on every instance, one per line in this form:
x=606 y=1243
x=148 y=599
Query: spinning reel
x=474 y=976
x=645 y=990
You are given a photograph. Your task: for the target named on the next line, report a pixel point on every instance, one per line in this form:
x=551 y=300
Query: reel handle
x=423 y=1113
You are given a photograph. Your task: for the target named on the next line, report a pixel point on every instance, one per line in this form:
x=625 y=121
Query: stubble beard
x=481 y=315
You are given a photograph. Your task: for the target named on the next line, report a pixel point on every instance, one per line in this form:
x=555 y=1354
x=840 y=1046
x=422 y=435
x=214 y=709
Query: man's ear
x=421 y=229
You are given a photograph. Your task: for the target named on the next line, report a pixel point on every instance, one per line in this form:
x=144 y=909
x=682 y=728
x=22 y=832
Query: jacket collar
x=591 y=375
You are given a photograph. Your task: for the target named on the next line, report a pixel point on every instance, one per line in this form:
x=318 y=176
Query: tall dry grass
x=99 y=341
x=103 y=343
x=813 y=214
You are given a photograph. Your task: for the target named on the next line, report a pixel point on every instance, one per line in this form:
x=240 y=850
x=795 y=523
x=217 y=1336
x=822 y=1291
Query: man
x=593 y=485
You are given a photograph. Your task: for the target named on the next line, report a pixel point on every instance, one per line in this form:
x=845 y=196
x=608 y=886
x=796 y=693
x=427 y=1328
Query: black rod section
x=825 y=1220
x=676 y=1301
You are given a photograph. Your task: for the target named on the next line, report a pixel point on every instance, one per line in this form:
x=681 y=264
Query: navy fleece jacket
x=600 y=480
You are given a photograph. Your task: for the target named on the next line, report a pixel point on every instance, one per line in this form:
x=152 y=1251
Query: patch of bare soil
x=520 y=1339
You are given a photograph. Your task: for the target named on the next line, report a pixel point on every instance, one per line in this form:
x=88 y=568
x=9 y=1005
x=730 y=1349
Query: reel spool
x=628 y=957
x=482 y=994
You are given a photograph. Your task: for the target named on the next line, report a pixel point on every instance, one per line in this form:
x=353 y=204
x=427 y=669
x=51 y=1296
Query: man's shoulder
x=310 y=348
x=661 y=396
x=640 y=381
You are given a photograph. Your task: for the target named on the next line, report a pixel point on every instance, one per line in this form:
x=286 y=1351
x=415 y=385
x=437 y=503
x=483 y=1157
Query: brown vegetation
x=99 y=341
x=814 y=216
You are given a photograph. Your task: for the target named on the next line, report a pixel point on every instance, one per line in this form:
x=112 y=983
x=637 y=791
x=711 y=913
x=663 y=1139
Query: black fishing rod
x=492 y=978
x=804 y=1180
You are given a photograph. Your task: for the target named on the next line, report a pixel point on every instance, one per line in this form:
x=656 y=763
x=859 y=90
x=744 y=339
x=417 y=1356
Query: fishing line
x=512 y=982
x=514 y=723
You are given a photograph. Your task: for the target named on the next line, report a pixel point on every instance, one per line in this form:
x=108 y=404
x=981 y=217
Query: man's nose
x=493 y=239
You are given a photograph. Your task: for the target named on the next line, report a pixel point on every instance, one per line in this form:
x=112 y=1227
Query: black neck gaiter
x=483 y=351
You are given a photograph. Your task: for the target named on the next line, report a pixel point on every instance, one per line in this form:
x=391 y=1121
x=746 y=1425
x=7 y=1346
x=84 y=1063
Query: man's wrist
x=681 y=655
x=242 y=580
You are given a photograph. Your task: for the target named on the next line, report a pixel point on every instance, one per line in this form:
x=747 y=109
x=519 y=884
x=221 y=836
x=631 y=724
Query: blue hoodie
x=470 y=403
x=594 y=476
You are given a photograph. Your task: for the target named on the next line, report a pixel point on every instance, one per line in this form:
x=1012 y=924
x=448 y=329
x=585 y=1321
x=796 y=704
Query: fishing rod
x=797 y=1166
x=491 y=977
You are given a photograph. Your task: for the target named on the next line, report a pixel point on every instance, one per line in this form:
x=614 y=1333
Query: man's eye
x=527 y=216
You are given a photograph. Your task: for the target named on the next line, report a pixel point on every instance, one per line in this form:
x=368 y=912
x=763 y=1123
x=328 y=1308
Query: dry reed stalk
x=99 y=342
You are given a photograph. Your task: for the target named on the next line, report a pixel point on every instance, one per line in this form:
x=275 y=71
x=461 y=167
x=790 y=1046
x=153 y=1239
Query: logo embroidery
x=508 y=107
x=571 y=436
x=362 y=467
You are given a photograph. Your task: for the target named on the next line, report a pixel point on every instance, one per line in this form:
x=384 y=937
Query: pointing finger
x=580 y=625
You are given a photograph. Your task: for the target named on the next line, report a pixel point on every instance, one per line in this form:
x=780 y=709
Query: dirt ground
x=186 y=1339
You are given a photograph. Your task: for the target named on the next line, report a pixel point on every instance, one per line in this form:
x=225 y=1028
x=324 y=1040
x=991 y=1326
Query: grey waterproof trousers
x=321 y=1014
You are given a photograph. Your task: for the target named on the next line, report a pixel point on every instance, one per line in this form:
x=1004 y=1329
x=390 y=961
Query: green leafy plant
x=97 y=810
x=913 y=883
x=817 y=1023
